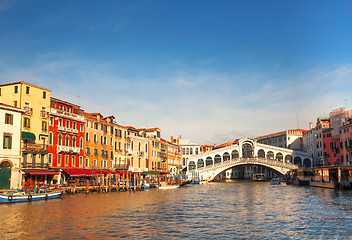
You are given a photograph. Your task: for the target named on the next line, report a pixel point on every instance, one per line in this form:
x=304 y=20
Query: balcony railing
x=44 y=114
x=121 y=167
x=67 y=114
x=35 y=147
x=68 y=149
x=28 y=111
x=35 y=165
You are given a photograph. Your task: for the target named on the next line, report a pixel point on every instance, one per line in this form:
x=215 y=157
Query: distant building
x=188 y=148
x=291 y=139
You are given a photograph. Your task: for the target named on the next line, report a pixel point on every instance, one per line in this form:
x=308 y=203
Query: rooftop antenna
x=297 y=122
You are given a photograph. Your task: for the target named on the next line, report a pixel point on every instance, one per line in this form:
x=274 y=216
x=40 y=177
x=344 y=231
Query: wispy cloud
x=204 y=106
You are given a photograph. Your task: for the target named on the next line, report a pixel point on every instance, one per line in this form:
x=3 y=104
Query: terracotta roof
x=26 y=83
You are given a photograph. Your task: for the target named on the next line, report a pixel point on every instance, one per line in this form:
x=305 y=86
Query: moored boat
x=258 y=177
x=14 y=196
x=163 y=185
x=275 y=181
x=203 y=182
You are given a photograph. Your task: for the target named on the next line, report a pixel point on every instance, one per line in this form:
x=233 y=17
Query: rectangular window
x=50 y=159
x=87 y=162
x=59 y=159
x=73 y=161
x=74 y=125
x=82 y=127
x=80 y=161
x=66 y=160
x=16 y=89
x=7 y=142
x=51 y=121
x=27 y=90
x=8 y=118
x=60 y=122
x=26 y=123
x=44 y=94
x=44 y=126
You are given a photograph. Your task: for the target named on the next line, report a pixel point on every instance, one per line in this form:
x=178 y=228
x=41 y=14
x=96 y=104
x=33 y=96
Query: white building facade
x=10 y=147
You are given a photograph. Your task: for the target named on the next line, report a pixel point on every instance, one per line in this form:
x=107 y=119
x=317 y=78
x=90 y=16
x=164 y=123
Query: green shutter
x=10 y=142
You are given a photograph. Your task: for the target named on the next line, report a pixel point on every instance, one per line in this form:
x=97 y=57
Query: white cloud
x=206 y=107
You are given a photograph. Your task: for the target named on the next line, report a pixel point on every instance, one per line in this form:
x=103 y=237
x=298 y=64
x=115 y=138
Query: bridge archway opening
x=257 y=168
x=288 y=158
x=297 y=161
x=261 y=153
x=279 y=157
x=307 y=163
x=208 y=161
x=235 y=154
x=217 y=159
x=200 y=163
x=191 y=165
x=270 y=155
x=247 y=149
x=226 y=156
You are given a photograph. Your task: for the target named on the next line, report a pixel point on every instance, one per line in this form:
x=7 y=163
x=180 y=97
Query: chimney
x=310 y=125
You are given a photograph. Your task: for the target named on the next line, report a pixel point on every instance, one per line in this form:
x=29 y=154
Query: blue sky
x=211 y=71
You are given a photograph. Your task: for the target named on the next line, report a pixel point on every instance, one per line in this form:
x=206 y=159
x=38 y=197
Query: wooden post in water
x=134 y=182
x=87 y=185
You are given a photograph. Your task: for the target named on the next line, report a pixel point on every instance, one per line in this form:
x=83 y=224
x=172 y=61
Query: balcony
x=28 y=111
x=121 y=167
x=35 y=148
x=44 y=114
x=60 y=128
x=349 y=147
x=74 y=130
x=68 y=150
x=62 y=113
x=35 y=165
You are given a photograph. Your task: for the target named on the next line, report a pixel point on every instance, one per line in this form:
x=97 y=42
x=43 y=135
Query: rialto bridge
x=246 y=152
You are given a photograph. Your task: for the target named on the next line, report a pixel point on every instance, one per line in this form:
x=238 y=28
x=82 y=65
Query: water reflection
x=244 y=210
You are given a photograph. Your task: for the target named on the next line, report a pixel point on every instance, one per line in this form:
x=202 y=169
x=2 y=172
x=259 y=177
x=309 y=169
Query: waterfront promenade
x=237 y=210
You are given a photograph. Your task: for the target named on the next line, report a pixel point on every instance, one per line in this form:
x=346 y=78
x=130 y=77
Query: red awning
x=161 y=172
x=37 y=173
x=79 y=172
x=86 y=172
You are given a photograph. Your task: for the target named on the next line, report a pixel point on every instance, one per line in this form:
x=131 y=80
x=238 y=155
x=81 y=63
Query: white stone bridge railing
x=217 y=168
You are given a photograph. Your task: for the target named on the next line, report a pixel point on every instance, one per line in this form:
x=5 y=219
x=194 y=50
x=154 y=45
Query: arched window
x=60 y=139
x=234 y=154
x=191 y=165
x=87 y=137
x=217 y=159
x=208 y=161
x=261 y=153
x=200 y=163
x=50 y=138
x=226 y=156
x=279 y=157
x=67 y=140
x=73 y=141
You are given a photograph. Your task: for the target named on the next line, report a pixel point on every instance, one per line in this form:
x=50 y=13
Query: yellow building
x=35 y=101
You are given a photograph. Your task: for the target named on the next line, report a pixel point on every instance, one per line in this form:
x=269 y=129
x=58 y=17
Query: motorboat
x=275 y=181
x=258 y=177
x=15 y=196
x=166 y=186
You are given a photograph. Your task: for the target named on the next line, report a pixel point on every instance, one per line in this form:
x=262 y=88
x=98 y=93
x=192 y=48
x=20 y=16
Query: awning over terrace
x=86 y=172
x=37 y=173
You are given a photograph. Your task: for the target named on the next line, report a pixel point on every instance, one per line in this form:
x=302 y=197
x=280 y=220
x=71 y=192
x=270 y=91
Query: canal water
x=231 y=210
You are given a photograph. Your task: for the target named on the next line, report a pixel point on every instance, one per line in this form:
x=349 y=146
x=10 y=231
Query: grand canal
x=236 y=210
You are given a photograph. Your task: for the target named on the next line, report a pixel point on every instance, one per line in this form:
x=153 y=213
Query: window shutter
x=10 y=142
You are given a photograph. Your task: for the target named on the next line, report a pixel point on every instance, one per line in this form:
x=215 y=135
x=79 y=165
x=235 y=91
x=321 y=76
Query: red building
x=346 y=141
x=66 y=135
x=331 y=148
